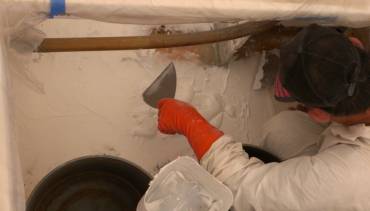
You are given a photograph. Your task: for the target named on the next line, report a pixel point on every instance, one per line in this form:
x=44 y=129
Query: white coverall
x=325 y=169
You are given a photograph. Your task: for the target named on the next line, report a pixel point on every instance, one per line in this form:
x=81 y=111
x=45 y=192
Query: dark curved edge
x=261 y=154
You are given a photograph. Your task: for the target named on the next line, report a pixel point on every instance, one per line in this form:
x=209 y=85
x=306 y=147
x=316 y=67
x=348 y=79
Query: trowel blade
x=164 y=86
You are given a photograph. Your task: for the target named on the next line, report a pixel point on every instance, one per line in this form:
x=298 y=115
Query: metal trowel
x=164 y=86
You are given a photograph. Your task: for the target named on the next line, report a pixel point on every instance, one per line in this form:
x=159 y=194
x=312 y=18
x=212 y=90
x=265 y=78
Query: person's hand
x=176 y=116
x=179 y=117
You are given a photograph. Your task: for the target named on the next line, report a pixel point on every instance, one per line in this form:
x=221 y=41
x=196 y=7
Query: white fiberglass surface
x=91 y=102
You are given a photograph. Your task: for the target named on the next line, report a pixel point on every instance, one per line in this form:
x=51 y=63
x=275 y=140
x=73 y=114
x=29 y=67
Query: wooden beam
x=152 y=41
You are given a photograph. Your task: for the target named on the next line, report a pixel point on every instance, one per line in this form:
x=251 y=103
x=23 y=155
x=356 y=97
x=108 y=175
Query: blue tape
x=57 y=7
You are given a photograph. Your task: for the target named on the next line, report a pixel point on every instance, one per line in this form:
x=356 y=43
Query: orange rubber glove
x=178 y=117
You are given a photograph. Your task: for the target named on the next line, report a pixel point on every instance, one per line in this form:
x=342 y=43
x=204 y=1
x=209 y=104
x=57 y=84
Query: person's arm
x=321 y=182
x=304 y=183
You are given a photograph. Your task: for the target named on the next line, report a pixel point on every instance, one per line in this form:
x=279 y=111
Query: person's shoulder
x=352 y=141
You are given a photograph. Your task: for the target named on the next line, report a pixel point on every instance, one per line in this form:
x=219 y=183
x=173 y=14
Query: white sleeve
x=305 y=183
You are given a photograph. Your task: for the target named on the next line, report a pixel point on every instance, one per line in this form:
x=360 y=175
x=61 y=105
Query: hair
x=360 y=101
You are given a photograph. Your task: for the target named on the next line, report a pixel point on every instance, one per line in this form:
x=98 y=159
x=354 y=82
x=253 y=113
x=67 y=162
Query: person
x=325 y=149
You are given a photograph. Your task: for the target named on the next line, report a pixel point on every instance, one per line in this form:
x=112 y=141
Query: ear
x=319 y=115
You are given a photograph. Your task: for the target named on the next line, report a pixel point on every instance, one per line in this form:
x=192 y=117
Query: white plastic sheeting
x=353 y=13
x=184 y=185
x=11 y=183
x=344 y=12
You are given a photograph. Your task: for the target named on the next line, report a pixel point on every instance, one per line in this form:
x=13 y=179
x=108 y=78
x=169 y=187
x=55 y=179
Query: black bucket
x=97 y=183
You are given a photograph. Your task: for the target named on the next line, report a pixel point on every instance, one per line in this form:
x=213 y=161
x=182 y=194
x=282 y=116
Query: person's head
x=327 y=72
